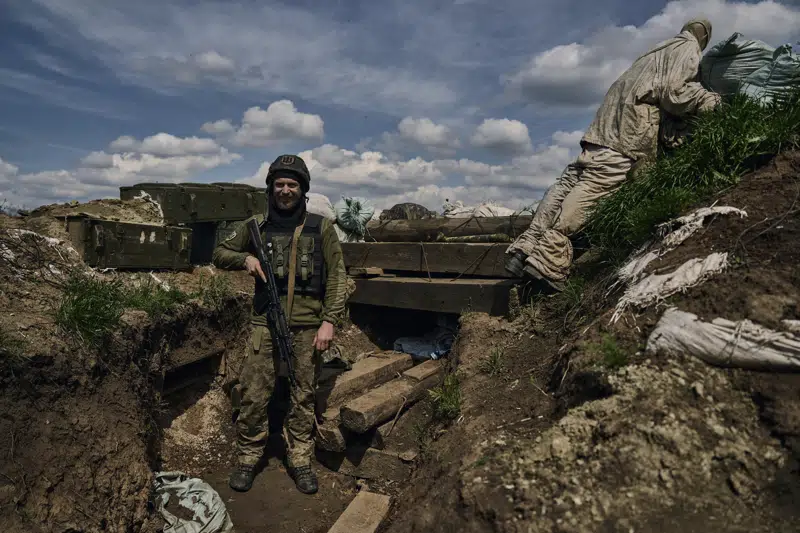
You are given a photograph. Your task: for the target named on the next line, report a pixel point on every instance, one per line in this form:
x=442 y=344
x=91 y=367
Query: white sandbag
x=488 y=209
x=319 y=204
x=656 y=287
x=347 y=236
x=671 y=235
x=742 y=344
x=353 y=213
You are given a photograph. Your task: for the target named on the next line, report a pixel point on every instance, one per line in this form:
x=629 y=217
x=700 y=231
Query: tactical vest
x=310 y=272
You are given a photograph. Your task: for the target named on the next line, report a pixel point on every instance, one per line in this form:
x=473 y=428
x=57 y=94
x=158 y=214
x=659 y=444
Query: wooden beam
x=428 y=230
x=487 y=260
x=364 y=514
x=383 y=403
x=437 y=295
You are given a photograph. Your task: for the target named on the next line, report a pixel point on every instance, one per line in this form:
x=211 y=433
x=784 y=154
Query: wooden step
x=364 y=514
x=364 y=375
x=439 y=295
x=383 y=403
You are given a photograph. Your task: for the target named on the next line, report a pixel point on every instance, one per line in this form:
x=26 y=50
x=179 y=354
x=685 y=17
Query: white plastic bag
x=319 y=204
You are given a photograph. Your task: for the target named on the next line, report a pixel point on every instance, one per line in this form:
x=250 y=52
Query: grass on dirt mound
x=91 y=308
x=724 y=145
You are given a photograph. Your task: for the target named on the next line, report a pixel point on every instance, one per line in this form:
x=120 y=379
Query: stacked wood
x=431 y=230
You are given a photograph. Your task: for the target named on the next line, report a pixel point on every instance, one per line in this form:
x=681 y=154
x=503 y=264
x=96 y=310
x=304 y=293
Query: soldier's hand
x=253 y=266
x=324 y=336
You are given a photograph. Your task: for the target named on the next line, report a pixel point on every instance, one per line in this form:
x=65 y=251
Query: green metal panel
x=185 y=203
x=128 y=245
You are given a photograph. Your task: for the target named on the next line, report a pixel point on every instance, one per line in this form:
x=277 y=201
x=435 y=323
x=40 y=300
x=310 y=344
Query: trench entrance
x=198 y=431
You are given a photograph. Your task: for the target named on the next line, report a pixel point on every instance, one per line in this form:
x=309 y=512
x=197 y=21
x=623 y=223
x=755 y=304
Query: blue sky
x=413 y=100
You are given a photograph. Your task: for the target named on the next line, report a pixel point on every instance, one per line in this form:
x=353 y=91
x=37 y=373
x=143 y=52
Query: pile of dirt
x=583 y=431
x=79 y=423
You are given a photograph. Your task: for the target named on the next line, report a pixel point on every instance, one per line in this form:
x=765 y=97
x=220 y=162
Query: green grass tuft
x=724 y=145
x=447 y=398
x=152 y=298
x=91 y=308
x=613 y=355
x=214 y=291
x=11 y=346
x=494 y=363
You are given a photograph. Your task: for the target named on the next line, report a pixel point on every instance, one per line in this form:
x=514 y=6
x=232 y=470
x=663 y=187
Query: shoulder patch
x=231 y=236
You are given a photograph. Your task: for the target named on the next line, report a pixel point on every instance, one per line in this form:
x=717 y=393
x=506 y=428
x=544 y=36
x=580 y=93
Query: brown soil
x=657 y=445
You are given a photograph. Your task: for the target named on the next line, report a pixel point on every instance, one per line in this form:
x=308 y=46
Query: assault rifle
x=268 y=302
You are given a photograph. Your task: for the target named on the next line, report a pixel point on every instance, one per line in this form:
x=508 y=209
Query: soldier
x=313 y=309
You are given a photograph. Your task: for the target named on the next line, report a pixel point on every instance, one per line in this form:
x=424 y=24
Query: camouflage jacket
x=307 y=310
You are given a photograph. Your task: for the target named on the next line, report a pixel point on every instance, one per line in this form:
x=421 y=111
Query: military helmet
x=292 y=165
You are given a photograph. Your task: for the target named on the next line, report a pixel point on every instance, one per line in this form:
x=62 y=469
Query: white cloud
x=579 y=74
x=262 y=127
x=165 y=145
x=162 y=157
x=504 y=136
x=426 y=133
x=203 y=66
x=569 y=139
x=218 y=127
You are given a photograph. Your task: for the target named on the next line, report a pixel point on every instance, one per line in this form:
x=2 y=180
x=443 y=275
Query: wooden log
x=439 y=295
x=367 y=463
x=383 y=403
x=429 y=230
x=487 y=260
x=365 y=374
x=364 y=514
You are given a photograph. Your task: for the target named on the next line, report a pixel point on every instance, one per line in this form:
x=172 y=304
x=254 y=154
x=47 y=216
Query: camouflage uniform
x=319 y=257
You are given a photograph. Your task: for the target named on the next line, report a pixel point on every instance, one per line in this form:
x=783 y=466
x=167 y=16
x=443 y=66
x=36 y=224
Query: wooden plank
x=487 y=260
x=367 y=373
x=428 y=230
x=383 y=403
x=364 y=272
x=438 y=295
x=364 y=514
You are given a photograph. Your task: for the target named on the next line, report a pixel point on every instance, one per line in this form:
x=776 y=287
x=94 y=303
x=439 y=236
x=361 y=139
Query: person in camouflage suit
x=318 y=305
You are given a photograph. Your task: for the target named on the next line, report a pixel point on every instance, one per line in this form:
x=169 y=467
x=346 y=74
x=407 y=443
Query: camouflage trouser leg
x=301 y=416
x=257 y=383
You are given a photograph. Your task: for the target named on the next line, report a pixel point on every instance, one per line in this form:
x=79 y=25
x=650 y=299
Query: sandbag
x=749 y=66
x=352 y=214
x=487 y=209
x=319 y=204
x=407 y=211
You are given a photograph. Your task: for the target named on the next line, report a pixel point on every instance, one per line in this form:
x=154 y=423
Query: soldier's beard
x=287 y=202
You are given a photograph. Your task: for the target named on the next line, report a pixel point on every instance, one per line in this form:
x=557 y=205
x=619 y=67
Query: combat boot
x=242 y=477
x=305 y=479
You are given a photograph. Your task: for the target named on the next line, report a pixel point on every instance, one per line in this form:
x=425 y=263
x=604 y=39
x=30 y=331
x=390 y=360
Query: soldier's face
x=287 y=192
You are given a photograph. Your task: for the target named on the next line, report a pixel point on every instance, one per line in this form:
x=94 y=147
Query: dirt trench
x=584 y=431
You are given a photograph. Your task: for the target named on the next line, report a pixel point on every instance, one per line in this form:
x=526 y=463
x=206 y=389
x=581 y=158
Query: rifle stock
x=268 y=301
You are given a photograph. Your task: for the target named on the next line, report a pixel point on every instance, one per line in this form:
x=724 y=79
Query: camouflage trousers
x=260 y=370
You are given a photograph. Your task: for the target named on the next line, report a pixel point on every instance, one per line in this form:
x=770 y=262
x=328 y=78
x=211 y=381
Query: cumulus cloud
x=578 y=74
x=162 y=157
x=426 y=133
x=336 y=171
x=262 y=127
x=504 y=136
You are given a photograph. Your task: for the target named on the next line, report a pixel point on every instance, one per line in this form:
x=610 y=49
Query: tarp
x=195 y=495
x=749 y=66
